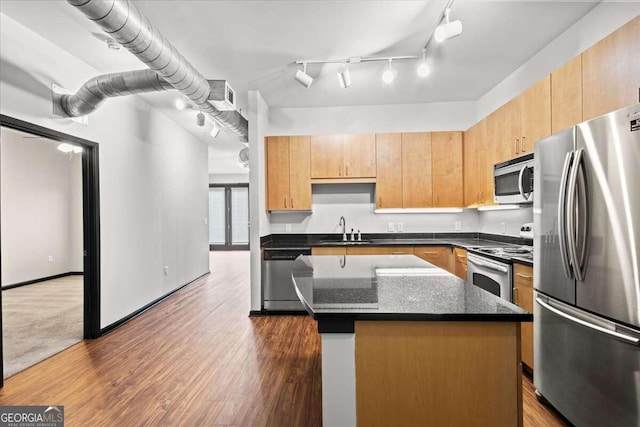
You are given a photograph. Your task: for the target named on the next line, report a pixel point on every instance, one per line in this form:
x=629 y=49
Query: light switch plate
x=458 y=226
x=287 y=228
x=390 y=227
x=503 y=228
x=399 y=226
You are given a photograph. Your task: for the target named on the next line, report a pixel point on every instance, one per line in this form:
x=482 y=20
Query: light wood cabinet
x=611 y=72
x=389 y=170
x=566 y=95
x=379 y=250
x=343 y=156
x=535 y=115
x=288 y=173
x=329 y=250
x=446 y=158
x=523 y=297
x=417 y=189
x=460 y=261
x=440 y=256
x=470 y=167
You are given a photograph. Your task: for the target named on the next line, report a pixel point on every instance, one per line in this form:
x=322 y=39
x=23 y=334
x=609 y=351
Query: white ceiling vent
x=221 y=95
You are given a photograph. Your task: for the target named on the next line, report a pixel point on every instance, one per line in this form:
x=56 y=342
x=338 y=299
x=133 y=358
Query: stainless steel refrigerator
x=586 y=270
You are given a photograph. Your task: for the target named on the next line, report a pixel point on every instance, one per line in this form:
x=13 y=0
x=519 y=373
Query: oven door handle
x=487 y=265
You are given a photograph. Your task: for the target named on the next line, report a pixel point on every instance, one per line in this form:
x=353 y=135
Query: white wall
x=229 y=178
x=490 y=221
x=40 y=213
x=153 y=174
x=437 y=116
x=601 y=21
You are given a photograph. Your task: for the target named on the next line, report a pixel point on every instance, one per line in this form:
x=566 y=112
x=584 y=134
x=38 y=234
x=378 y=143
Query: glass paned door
x=228 y=216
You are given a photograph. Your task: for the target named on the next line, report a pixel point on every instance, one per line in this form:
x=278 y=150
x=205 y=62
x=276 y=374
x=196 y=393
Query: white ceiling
x=253 y=45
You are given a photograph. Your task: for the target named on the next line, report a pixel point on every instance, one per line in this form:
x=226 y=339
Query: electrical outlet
x=390 y=227
x=50 y=258
x=503 y=228
x=287 y=228
x=399 y=226
x=166 y=270
x=206 y=221
x=458 y=226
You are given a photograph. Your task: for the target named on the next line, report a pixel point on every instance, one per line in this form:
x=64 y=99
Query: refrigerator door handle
x=571 y=213
x=614 y=334
x=584 y=215
x=562 y=216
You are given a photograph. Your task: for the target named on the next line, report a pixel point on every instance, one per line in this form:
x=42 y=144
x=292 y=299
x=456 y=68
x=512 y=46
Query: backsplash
x=356 y=203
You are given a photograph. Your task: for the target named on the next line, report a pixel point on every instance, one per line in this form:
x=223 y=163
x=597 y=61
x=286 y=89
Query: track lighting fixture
x=65 y=147
x=302 y=77
x=200 y=119
x=180 y=104
x=389 y=74
x=423 y=69
x=343 y=76
x=448 y=29
x=215 y=131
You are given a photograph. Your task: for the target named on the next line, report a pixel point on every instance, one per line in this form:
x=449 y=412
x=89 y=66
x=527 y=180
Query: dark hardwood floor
x=197 y=359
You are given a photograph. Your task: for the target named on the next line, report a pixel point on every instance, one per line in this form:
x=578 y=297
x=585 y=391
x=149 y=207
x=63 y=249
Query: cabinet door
x=360 y=156
x=327 y=156
x=446 y=158
x=440 y=256
x=300 y=173
x=470 y=167
x=611 y=72
x=379 y=250
x=460 y=258
x=535 y=110
x=277 y=151
x=523 y=290
x=512 y=128
x=416 y=170
x=389 y=170
x=485 y=165
x=566 y=95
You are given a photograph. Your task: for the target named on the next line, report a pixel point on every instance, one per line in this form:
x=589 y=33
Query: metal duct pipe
x=96 y=90
x=122 y=20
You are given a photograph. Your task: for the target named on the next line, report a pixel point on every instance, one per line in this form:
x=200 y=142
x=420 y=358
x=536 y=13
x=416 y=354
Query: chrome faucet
x=343 y=223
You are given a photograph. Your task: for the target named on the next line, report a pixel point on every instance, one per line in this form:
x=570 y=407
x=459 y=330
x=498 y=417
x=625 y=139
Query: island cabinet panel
x=460 y=269
x=329 y=250
x=566 y=95
x=523 y=297
x=417 y=191
x=360 y=156
x=438 y=374
x=380 y=250
x=327 y=156
x=446 y=157
x=288 y=173
x=440 y=256
x=611 y=72
x=389 y=170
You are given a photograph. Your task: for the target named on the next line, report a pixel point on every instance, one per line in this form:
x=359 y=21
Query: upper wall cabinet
x=535 y=114
x=288 y=173
x=389 y=170
x=478 y=166
x=446 y=169
x=343 y=156
x=611 y=72
x=417 y=189
x=566 y=95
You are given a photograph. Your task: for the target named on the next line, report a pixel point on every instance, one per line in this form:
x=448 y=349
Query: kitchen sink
x=344 y=243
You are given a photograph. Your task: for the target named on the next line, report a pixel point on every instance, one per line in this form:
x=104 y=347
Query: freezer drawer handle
x=617 y=335
x=487 y=265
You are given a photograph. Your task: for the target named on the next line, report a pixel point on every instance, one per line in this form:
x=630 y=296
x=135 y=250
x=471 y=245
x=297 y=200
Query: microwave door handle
x=562 y=217
x=487 y=265
x=520 y=183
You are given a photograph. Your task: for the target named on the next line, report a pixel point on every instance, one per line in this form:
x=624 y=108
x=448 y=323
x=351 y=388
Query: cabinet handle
x=461 y=257
x=292 y=203
x=285 y=202
x=431 y=253
x=517 y=143
x=524 y=276
x=482 y=197
x=380 y=201
x=515 y=296
x=523 y=145
x=346 y=170
x=397 y=253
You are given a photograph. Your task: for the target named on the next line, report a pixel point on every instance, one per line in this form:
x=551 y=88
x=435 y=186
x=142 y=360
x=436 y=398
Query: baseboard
x=115 y=325
x=42 y=279
x=256 y=313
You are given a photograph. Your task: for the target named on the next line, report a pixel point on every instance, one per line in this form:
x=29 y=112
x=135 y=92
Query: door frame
x=90 y=219
x=228 y=222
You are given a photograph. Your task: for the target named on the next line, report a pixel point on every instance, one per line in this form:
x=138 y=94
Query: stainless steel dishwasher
x=278 y=293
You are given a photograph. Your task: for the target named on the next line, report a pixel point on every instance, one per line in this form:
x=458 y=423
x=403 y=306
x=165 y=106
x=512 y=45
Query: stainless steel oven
x=490 y=275
x=513 y=181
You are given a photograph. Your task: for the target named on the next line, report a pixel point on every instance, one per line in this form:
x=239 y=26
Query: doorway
x=228 y=217
x=88 y=247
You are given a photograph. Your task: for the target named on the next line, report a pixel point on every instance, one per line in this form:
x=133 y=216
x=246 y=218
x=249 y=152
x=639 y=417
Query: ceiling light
x=303 y=78
x=448 y=29
x=423 y=68
x=389 y=75
x=77 y=149
x=65 y=147
x=215 y=131
x=180 y=104
x=343 y=76
x=200 y=119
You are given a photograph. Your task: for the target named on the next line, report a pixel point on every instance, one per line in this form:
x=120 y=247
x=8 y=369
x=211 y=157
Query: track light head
x=423 y=69
x=448 y=29
x=344 y=78
x=389 y=74
x=303 y=78
x=200 y=119
x=215 y=131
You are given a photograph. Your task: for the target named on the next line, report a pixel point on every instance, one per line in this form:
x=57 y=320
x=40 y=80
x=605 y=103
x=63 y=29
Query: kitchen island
x=407 y=343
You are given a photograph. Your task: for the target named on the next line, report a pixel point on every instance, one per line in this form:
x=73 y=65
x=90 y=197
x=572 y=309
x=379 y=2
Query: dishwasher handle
x=285 y=254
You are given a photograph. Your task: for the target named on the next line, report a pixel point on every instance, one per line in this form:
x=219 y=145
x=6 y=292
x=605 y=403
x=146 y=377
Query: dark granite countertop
x=392 y=287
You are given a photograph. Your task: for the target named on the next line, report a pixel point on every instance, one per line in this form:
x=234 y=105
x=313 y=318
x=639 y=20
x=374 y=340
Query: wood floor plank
x=197 y=359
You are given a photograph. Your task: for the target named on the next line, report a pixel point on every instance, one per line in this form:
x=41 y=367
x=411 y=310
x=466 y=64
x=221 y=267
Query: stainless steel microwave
x=513 y=181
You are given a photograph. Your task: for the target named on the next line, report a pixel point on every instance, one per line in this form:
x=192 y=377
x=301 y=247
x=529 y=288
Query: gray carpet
x=39 y=321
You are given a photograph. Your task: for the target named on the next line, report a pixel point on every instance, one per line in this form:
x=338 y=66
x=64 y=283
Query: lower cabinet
x=523 y=297
x=329 y=250
x=460 y=269
x=380 y=250
x=440 y=256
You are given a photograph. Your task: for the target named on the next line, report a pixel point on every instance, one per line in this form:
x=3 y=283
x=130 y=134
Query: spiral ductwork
x=122 y=20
